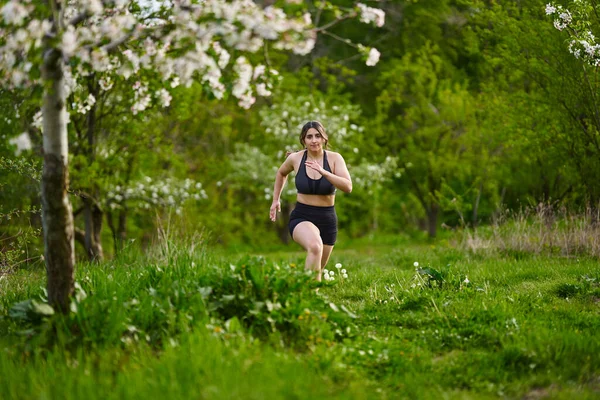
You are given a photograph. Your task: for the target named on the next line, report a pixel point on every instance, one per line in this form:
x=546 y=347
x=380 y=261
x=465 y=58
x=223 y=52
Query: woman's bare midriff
x=317 y=200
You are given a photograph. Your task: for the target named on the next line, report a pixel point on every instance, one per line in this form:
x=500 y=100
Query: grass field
x=186 y=322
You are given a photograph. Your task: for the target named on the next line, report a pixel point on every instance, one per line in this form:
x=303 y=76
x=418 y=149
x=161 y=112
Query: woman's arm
x=341 y=179
x=280 y=178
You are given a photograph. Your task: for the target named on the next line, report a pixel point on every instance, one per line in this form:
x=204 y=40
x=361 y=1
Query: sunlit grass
x=184 y=323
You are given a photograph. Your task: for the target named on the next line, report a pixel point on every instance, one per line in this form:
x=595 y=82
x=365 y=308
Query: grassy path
x=460 y=326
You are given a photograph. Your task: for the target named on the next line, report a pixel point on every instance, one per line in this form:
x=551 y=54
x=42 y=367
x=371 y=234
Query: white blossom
x=14 y=12
x=164 y=97
x=371 y=15
x=94 y=6
x=69 y=42
x=261 y=90
x=373 y=59
x=23 y=142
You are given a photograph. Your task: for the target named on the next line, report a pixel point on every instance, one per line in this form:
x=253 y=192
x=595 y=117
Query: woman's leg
x=327 y=249
x=307 y=235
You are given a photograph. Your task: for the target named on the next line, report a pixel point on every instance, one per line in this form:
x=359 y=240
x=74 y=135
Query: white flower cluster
x=330 y=275
x=141 y=98
x=38 y=120
x=586 y=48
x=23 y=143
x=164 y=97
x=562 y=16
x=211 y=25
x=15 y=62
x=371 y=15
x=106 y=83
x=284 y=120
x=163 y=193
x=371 y=53
x=583 y=43
x=373 y=57
x=248 y=165
x=367 y=175
x=85 y=106
x=14 y=12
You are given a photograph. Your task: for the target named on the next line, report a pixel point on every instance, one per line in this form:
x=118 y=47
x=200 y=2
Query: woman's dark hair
x=315 y=125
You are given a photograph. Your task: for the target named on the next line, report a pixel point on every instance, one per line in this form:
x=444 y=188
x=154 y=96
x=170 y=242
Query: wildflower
x=345 y=276
x=416 y=264
x=466 y=281
x=331 y=273
x=343 y=271
x=550 y=9
x=326 y=271
x=338 y=265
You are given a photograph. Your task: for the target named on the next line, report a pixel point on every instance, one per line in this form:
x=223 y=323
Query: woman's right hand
x=276 y=206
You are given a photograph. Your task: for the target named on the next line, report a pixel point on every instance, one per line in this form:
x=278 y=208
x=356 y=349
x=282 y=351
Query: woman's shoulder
x=334 y=155
x=296 y=155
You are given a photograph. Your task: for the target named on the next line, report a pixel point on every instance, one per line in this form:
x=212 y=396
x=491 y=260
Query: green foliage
x=20 y=229
x=475 y=107
x=151 y=302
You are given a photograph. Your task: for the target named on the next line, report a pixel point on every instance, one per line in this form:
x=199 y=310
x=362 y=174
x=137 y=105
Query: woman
x=313 y=223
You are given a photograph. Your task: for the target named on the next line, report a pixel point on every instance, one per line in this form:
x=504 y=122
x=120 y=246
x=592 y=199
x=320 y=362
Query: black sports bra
x=307 y=185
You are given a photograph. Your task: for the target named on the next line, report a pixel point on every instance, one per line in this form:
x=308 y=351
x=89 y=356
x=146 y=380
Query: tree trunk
x=476 y=206
x=92 y=215
x=122 y=228
x=375 y=225
x=432 y=219
x=57 y=217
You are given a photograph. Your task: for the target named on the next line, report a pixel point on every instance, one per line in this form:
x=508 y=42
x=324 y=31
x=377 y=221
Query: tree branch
x=341 y=39
x=80 y=236
x=334 y=22
x=79 y=18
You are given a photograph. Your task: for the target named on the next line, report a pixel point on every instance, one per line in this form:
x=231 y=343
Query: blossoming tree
x=56 y=43
x=580 y=21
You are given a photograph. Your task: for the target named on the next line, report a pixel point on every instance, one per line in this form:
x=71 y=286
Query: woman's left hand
x=315 y=166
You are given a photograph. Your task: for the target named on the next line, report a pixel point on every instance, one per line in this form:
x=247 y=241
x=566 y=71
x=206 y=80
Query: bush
x=154 y=303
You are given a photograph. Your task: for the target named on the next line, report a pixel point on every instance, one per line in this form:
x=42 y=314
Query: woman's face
x=314 y=140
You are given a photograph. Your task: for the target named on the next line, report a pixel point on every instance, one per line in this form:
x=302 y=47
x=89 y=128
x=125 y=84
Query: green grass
x=210 y=324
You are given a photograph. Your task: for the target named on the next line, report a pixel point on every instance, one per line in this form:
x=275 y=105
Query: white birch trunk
x=57 y=216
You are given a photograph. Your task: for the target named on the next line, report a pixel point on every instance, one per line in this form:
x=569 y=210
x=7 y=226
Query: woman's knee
x=315 y=247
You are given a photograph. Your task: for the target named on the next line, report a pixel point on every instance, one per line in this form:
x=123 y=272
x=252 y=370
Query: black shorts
x=324 y=218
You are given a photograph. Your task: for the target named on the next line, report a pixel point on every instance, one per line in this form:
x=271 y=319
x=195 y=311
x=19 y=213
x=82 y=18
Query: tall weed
x=545 y=229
